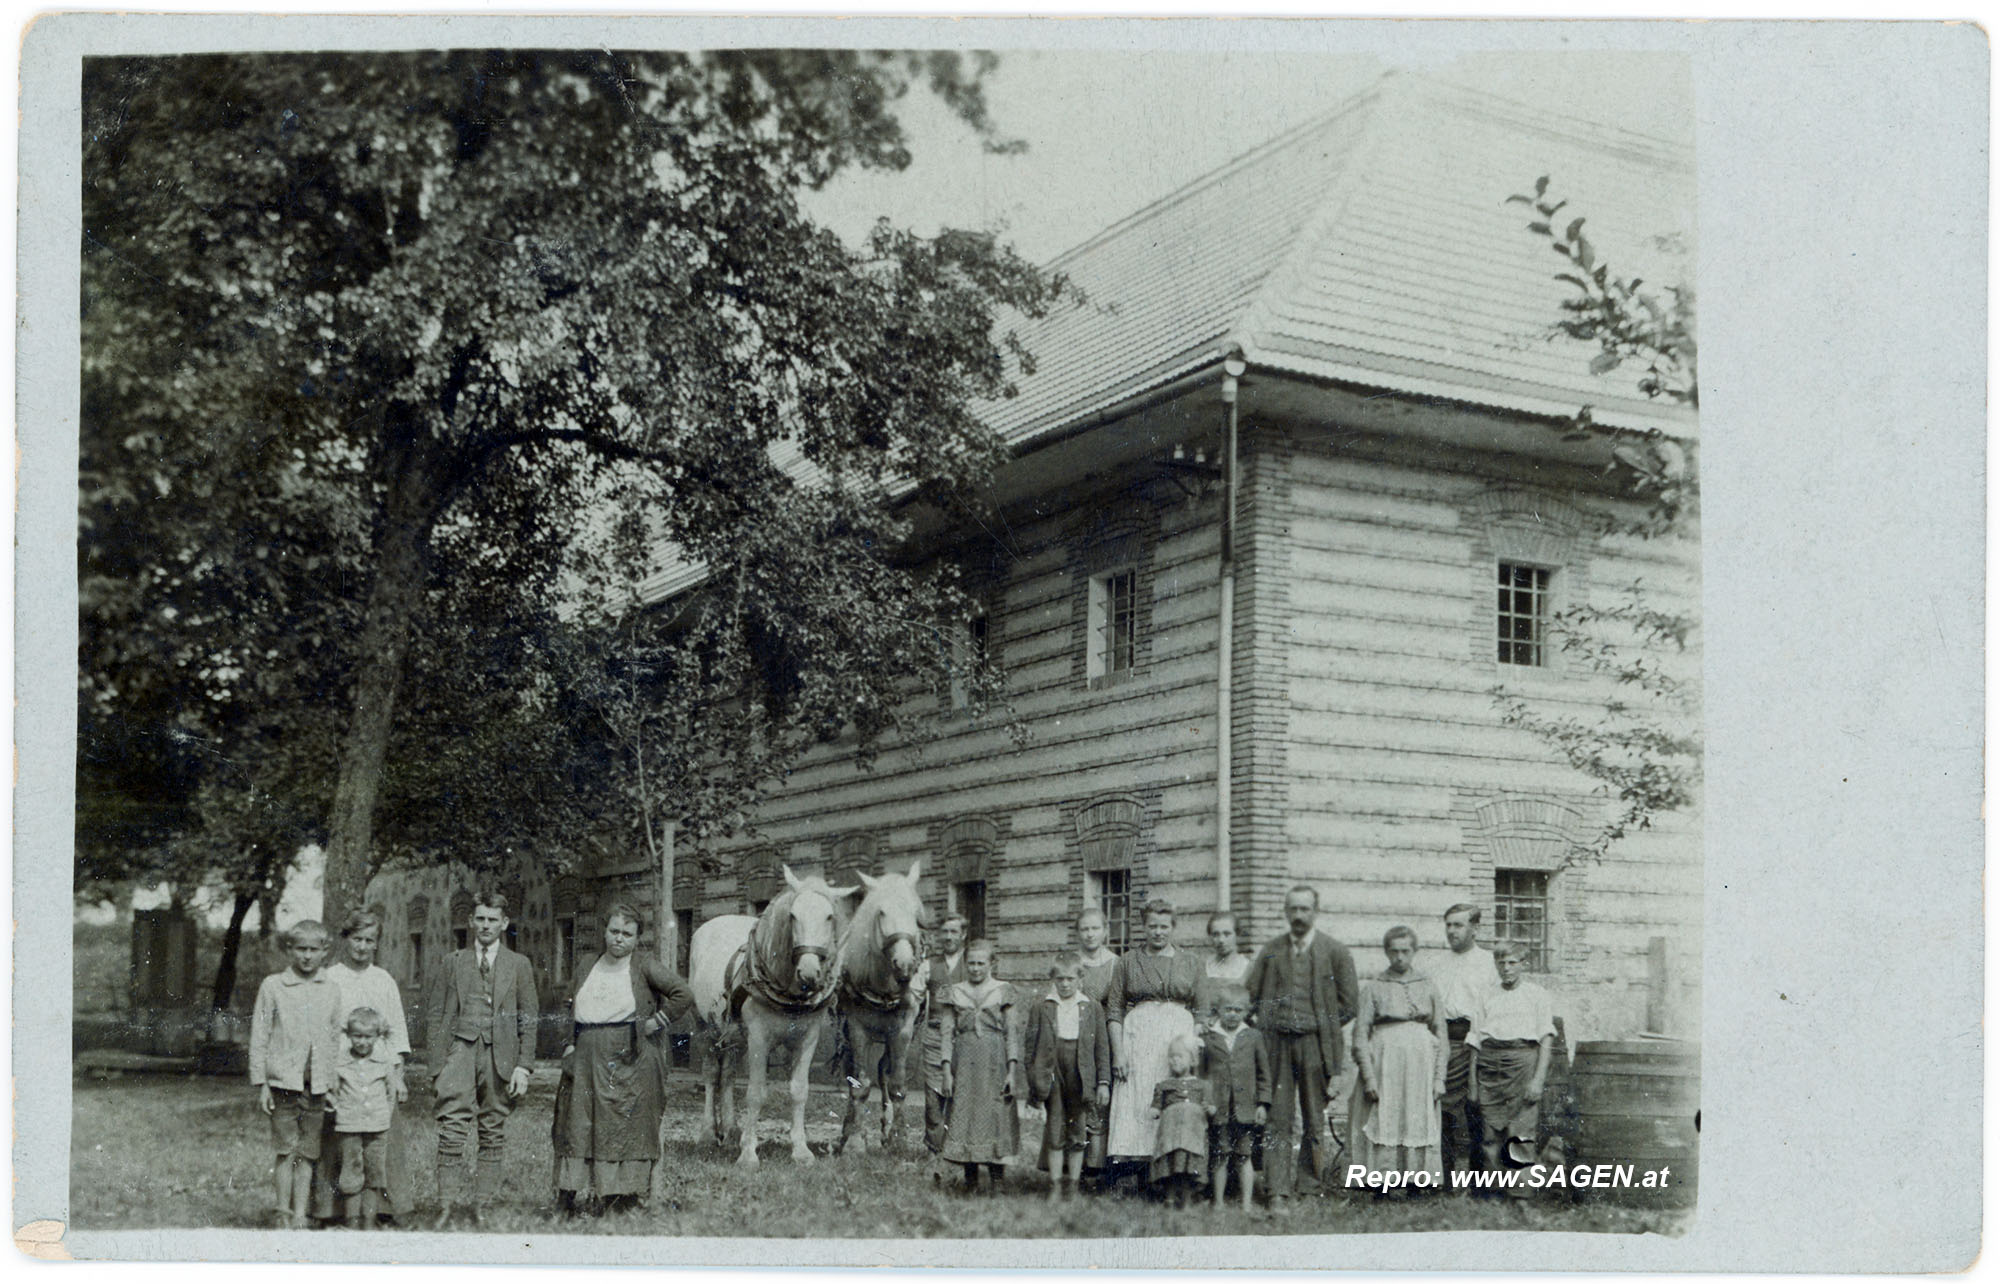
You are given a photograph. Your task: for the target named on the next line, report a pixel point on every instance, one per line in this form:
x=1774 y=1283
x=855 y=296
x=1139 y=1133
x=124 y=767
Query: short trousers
x=296 y=1118
x=364 y=1162
x=1233 y=1140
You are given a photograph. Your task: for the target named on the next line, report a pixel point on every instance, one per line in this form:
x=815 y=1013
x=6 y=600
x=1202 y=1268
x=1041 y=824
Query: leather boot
x=451 y=1179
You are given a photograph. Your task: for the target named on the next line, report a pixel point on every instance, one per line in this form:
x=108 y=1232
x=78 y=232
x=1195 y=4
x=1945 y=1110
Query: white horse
x=878 y=961
x=761 y=982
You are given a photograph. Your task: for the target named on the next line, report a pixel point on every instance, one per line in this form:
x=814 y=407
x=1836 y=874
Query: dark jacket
x=453 y=989
x=1093 y=1049
x=1239 y=1078
x=1329 y=985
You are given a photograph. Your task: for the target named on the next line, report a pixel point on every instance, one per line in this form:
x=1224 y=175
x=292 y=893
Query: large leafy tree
x=371 y=343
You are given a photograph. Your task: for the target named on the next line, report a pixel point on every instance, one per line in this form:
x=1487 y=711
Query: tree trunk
x=232 y=944
x=412 y=478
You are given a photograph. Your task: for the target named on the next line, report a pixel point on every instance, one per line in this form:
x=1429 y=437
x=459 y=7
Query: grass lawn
x=167 y=1151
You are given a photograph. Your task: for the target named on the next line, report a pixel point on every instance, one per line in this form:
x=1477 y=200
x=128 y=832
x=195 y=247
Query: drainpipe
x=1232 y=370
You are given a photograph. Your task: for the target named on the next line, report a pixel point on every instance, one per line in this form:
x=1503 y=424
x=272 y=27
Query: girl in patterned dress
x=982 y=1069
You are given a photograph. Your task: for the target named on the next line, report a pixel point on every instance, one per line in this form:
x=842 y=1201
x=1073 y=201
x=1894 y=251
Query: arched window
x=966 y=849
x=1107 y=833
x=763 y=877
x=850 y=856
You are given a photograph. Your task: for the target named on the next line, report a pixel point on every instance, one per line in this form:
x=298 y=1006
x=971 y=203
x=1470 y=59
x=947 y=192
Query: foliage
x=1631 y=325
x=1639 y=745
x=369 y=341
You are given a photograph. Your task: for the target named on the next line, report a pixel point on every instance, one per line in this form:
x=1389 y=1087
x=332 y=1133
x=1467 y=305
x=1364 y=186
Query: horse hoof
x=746 y=1160
x=803 y=1155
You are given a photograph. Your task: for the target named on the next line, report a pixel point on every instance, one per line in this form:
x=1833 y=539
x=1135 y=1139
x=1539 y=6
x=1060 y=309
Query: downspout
x=1232 y=370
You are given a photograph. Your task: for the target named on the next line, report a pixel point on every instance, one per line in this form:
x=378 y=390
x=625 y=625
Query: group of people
x=1178 y=1071
x=1157 y=1067
x=328 y=1043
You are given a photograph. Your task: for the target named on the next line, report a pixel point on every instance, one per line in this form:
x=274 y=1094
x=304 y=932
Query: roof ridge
x=1244 y=160
x=1553 y=120
x=1305 y=244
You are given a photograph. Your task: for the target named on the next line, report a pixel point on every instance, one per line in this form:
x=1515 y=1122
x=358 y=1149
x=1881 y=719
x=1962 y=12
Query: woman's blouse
x=373 y=987
x=1215 y=975
x=1096 y=974
x=1144 y=977
x=605 y=997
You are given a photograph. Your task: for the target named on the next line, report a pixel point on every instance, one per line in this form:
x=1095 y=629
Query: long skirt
x=984 y=1126
x=1399 y=1131
x=608 y=1106
x=1150 y=1029
x=1504 y=1076
x=328 y=1204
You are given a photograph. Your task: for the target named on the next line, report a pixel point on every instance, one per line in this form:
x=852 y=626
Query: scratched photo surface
x=800 y=642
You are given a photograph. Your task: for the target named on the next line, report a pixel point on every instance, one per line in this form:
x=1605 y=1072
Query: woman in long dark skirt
x=613 y=1087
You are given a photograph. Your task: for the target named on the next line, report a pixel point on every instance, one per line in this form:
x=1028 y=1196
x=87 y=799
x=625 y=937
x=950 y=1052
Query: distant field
x=154 y=1151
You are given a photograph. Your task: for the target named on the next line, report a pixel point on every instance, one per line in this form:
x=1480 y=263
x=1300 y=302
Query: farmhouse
x=1290 y=507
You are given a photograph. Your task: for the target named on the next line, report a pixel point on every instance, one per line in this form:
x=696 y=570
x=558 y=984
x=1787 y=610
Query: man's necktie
x=485 y=966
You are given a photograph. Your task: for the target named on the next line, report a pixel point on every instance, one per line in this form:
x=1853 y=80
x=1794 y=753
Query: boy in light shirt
x=294 y=1046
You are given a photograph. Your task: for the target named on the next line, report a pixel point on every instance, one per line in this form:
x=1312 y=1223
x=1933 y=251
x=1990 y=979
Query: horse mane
x=863 y=962
x=769 y=948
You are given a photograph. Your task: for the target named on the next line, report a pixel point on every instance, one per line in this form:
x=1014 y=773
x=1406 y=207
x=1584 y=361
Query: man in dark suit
x=480 y=1009
x=1304 y=989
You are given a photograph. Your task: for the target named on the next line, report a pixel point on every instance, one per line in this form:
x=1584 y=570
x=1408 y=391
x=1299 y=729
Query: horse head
x=893 y=906
x=816 y=919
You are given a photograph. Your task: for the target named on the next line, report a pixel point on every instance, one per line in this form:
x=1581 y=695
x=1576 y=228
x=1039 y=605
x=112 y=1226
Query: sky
x=1109 y=133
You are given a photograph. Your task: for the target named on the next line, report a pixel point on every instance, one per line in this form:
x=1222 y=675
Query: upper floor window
x=1523 y=615
x=1113 y=624
x=969 y=655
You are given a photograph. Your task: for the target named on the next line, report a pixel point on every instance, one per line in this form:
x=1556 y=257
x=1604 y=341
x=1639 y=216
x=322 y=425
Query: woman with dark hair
x=613 y=1086
x=364 y=984
x=1151 y=1004
x=1402 y=1051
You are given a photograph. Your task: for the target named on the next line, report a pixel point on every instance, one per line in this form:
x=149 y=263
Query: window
x=417 y=956
x=1110 y=890
x=458 y=937
x=1524 y=614
x=969 y=656
x=969 y=899
x=1114 y=624
x=1521 y=912
x=565 y=947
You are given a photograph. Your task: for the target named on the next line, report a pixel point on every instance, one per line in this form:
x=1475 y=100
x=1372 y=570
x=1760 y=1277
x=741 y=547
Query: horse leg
x=757 y=1048
x=801 y=1087
x=895 y=1051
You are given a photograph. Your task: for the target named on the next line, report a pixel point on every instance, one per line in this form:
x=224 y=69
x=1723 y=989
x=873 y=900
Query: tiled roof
x=1373 y=246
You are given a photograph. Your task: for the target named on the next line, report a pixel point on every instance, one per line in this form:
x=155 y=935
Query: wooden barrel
x=1638 y=1104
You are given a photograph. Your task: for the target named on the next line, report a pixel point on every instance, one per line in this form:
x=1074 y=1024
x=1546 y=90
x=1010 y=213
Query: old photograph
x=1113 y=695
x=898 y=642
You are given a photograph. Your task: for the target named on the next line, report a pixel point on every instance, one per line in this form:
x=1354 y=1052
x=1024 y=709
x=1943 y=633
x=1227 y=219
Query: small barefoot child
x=1237 y=1066
x=981 y=1047
x=1180 y=1144
x=364 y=1099
x=294 y=1044
x=1069 y=1069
